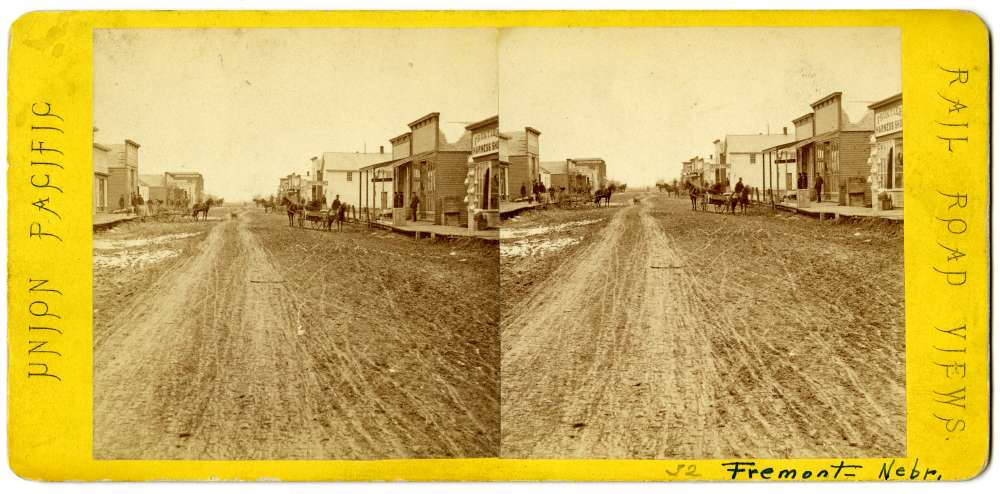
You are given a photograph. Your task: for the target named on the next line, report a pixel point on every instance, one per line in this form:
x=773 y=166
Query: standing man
x=414 y=202
x=819 y=188
x=335 y=205
x=739 y=187
x=524 y=190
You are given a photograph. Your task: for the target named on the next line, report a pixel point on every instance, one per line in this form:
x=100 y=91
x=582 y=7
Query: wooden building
x=829 y=145
x=338 y=174
x=426 y=165
x=592 y=171
x=101 y=159
x=886 y=171
x=123 y=174
x=743 y=155
x=489 y=171
x=556 y=171
x=524 y=169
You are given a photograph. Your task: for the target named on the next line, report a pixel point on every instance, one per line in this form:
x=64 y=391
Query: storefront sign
x=486 y=141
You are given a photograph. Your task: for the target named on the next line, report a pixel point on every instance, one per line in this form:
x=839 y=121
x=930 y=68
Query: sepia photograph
x=709 y=259
x=283 y=262
x=525 y=243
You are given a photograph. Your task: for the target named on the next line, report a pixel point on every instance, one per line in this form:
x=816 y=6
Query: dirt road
x=659 y=337
x=276 y=343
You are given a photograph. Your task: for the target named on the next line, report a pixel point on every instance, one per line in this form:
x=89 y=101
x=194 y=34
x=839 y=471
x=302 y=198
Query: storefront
x=487 y=178
x=886 y=177
x=836 y=151
x=425 y=176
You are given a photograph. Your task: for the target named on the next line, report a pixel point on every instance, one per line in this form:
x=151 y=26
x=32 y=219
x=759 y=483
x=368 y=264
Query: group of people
x=740 y=191
x=397 y=202
x=541 y=193
x=138 y=205
x=803 y=184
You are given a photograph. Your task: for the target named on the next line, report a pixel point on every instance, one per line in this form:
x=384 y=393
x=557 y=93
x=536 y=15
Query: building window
x=349 y=176
x=753 y=158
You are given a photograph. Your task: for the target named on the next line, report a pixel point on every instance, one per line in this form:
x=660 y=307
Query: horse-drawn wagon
x=721 y=202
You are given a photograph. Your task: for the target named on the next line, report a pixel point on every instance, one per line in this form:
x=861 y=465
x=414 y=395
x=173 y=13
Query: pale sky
x=646 y=99
x=247 y=106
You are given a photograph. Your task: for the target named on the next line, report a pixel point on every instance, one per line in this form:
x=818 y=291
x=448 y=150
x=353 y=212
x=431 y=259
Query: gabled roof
x=553 y=167
x=151 y=180
x=346 y=161
x=755 y=143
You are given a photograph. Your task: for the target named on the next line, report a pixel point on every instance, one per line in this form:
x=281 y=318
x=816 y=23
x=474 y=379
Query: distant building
x=886 y=169
x=191 y=182
x=545 y=177
x=556 y=173
x=742 y=156
x=593 y=170
x=829 y=145
x=338 y=172
x=693 y=172
x=314 y=187
x=152 y=187
x=290 y=187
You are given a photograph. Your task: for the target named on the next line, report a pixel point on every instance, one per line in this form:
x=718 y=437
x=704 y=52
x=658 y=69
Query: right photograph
x=701 y=243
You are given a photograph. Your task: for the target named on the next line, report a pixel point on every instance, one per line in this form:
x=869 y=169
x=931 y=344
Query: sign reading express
x=486 y=141
x=889 y=119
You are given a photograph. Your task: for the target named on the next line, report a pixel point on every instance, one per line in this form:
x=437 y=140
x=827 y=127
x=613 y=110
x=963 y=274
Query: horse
x=695 y=193
x=202 y=209
x=602 y=194
x=294 y=211
x=744 y=200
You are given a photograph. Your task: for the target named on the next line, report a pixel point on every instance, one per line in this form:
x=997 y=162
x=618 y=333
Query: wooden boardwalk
x=834 y=210
x=422 y=229
x=508 y=209
x=106 y=221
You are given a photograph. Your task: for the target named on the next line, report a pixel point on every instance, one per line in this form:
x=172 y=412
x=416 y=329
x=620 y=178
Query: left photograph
x=294 y=255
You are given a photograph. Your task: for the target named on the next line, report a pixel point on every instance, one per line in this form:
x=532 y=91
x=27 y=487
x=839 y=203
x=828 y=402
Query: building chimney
x=381 y=149
x=784 y=130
